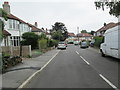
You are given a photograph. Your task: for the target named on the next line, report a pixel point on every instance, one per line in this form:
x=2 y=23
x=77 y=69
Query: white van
x=111 y=42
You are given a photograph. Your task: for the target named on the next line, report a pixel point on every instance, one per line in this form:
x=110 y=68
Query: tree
x=92 y=32
x=30 y=38
x=113 y=6
x=58 y=36
x=3 y=14
x=83 y=31
x=59 y=31
x=43 y=36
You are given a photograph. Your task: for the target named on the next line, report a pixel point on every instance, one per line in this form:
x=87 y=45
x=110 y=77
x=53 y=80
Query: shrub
x=42 y=44
x=30 y=38
x=8 y=61
x=98 y=41
x=52 y=43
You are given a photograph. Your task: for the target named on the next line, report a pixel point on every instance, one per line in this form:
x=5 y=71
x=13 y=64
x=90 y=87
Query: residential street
x=78 y=68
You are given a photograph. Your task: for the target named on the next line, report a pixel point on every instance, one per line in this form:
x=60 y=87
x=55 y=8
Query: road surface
x=78 y=68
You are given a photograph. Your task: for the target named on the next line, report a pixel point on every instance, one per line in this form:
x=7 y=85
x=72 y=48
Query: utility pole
x=78 y=32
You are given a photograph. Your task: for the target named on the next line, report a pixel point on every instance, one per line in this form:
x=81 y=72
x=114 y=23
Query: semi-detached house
x=14 y=28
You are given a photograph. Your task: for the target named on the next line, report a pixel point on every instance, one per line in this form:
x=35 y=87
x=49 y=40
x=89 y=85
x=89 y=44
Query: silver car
x=61 y=45
x=84 y=45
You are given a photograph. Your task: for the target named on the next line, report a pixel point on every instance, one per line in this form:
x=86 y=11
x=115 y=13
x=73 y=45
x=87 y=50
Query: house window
x=13 y=24
x=18 y=25
x=10 y=23
x=5 y=41
x=15 y=40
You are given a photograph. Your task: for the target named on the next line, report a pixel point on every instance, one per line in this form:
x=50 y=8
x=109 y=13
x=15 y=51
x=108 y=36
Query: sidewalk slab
x=16 y=75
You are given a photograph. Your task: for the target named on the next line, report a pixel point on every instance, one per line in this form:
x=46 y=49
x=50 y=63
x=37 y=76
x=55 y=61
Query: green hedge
x=52 y=43
x=98 y=41
x=42 y=44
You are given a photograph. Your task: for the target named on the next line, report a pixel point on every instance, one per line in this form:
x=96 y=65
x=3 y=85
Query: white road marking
x=113 y=86
x=77 y=52
x=85 y=60
x=28 y=80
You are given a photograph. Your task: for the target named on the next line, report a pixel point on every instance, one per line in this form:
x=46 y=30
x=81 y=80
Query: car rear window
x=61 y=43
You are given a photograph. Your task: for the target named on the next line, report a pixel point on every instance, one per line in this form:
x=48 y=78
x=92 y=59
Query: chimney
x=6 y=7
x=105 y=24
x=36 y=24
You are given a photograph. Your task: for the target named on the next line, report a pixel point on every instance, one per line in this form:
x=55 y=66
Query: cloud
x=72 y=13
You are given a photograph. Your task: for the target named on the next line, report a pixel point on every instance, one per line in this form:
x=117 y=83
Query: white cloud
x=73 y=13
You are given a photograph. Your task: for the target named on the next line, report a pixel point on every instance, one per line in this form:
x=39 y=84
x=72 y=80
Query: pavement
x=16 y=75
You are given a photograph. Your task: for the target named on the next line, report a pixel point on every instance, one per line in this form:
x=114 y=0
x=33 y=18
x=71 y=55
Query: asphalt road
x=78 y=68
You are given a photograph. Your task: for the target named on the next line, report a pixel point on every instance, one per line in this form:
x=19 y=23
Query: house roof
x=34 y=28
x=84 y=35
x=117 y=24
x=71 y=34
x=108 y=26
x=11 y=16
x=6 y=33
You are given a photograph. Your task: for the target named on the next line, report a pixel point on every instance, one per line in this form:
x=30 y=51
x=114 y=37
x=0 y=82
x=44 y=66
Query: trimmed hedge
x=42 y=44
x=98 y=41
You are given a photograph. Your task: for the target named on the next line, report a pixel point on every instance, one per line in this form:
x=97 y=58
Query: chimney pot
x=36 y=24
x=6 y=2
x=6 y=7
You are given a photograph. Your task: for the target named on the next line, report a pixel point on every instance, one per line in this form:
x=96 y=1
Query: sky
x=73 y=13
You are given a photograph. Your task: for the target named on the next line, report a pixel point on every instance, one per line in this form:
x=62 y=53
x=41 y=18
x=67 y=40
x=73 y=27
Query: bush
x=98 y=41
x=42 y=44
x=8 y=61
x=52 y=43
x=30 y=38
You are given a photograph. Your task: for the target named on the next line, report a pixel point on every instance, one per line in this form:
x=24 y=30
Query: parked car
x=76 y=43
x=110 y=44
x=92 y=44
x=66 y=44
x=61 y=45
x=84 y=45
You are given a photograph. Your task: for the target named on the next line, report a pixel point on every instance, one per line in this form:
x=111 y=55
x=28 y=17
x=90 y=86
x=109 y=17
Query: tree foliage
x=83 y=31
x=92 y=32
x=113 y=6
x=43 y=36
x=58 y=36
x=59 y=31
x=30 y=38
x=3 y=14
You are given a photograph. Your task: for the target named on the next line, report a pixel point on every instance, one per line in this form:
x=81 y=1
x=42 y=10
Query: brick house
x=85 y=36
x=101 y=31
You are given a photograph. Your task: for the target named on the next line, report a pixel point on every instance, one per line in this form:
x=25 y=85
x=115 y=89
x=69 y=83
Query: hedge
x=98 y=41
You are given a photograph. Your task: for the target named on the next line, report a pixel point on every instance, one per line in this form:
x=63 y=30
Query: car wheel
x=102 y=54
